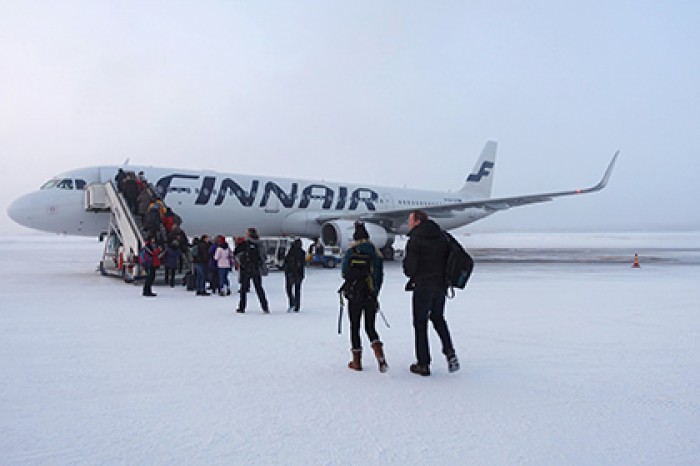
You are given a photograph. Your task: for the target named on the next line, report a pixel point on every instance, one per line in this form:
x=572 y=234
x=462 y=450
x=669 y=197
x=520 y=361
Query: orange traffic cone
x=635 y=264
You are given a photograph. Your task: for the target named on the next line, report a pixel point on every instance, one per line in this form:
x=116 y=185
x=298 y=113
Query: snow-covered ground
x=614 y=240
x=562 y=363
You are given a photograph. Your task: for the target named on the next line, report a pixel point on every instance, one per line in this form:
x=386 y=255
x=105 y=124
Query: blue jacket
x=172 y=254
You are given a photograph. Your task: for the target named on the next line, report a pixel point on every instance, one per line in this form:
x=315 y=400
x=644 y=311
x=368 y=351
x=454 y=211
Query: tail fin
x=480 y=180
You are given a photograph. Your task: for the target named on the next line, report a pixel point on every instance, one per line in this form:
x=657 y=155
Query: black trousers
x=213 y=278
x=246 y=278
x=170 y=276
x=357 y=307
x=150 y=278
x=293 y=287
x=429 y=305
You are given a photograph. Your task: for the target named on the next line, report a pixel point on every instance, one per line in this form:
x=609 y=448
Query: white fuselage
x=222 y=203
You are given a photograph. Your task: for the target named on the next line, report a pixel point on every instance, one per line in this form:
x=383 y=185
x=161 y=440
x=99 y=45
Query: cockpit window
x=50 y=184
x=64 y=183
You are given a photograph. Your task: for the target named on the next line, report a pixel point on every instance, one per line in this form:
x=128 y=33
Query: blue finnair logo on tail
x=485 y=170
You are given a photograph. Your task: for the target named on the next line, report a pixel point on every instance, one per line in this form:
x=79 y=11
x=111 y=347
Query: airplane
x=223 y=203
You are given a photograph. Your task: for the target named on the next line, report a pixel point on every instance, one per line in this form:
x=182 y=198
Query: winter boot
x=420 y=369
x=377 y=346
x=452 y=361
x=356 y=363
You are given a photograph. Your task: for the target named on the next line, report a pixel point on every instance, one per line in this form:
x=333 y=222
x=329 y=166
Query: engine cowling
x=339 y=233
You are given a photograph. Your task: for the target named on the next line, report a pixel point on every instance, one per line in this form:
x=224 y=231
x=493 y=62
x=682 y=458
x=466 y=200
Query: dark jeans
x=201 y=276
x=293 y=287
x=223 y=278
x=245 y=288
x=357 y=307
x=429 y=304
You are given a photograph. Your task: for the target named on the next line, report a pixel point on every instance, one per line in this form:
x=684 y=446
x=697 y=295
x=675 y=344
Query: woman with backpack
x=363 y=272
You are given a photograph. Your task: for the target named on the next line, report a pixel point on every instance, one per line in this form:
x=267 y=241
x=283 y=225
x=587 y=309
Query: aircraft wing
x=393 y=218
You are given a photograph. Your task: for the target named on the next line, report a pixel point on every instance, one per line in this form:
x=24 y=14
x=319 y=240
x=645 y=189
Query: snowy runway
x=562 y=363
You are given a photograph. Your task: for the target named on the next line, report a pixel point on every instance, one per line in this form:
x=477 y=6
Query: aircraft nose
x=21 y=211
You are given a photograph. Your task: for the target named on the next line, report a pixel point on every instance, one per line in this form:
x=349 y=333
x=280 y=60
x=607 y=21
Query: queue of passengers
x=210 y=261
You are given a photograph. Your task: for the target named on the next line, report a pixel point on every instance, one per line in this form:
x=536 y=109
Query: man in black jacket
x=251 y=259
x=426 y=255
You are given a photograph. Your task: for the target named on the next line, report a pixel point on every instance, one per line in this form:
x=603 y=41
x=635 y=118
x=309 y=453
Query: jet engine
x=339 y=233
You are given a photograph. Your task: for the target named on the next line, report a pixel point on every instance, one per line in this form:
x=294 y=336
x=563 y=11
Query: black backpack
x=358 y=276
x=458 y=267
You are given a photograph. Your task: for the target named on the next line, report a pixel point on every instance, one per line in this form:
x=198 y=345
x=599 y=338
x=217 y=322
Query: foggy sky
x=391 y=93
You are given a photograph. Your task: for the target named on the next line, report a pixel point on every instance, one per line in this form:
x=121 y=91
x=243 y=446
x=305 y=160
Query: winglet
x=606 y=177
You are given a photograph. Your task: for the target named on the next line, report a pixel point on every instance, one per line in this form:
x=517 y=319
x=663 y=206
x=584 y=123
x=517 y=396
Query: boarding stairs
x=124 y=237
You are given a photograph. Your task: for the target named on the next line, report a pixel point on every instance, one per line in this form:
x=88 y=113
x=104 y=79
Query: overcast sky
x=391 y=93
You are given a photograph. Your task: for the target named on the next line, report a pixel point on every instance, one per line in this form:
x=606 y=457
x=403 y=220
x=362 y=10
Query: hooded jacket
x=426 y=256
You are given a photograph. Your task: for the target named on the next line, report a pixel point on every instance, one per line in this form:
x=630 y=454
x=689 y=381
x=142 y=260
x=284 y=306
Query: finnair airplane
x=225 y=203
